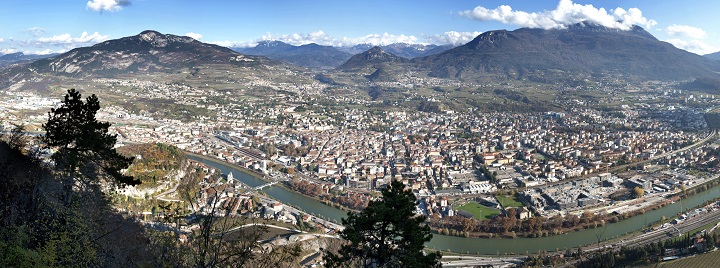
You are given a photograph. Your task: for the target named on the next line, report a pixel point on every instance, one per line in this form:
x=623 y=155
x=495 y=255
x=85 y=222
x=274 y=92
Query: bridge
x=264 y=185
x=677 y=230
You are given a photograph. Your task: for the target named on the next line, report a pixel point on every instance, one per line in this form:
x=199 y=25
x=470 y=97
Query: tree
x=83 y=145
x=638 y=192
x=222 y=239
x=40 y=231
x=17 y=138
x=385 y=234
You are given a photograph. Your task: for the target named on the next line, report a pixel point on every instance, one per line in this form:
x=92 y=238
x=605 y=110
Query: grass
x=479 y=212
x=509 y=201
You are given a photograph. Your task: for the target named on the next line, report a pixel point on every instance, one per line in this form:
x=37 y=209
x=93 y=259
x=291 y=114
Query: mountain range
x=310 y=55
x=372 y=57
x=326 y=57
x=713 y=56
x=11 y=58
x=583 y=50
x=579 y=49
x=146 y=52
x=404 y=50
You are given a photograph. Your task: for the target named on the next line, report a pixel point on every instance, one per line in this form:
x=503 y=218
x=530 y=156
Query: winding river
x=480 y=245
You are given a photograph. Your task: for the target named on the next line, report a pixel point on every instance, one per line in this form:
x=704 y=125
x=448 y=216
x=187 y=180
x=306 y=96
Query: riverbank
x=494 y=247
x=459 y=226
x=248 y=171
x=497 y=246
x=324 y=201
x=278 y=191
x=261 y=176
x=439 y=228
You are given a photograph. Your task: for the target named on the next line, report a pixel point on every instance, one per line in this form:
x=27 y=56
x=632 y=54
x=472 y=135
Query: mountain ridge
x=371 y=59
x=713 y=56
x=308 y=55
x=18 y=57
x=580 y=48
x=148 y=51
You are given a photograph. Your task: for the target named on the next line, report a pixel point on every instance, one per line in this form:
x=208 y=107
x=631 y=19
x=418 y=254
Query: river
x=283 y=195
x=482 y=245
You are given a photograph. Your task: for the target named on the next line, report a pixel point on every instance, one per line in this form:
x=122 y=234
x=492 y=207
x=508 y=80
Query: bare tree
x=220 y=239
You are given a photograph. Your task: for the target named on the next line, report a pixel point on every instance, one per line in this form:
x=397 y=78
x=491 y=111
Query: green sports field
x=479 y=212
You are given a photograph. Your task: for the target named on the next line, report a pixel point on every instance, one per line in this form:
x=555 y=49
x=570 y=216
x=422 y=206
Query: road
x=176 y=179
x=660 y=234
x=684 y=227
x=465 y=261
x=655 y=235
x=329 y=224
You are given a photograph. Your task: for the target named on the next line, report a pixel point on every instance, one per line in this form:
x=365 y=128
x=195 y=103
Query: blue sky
x=45 y=26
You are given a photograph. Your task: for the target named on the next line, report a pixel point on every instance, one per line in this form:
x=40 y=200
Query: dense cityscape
x=572 y=169
x=388 y=134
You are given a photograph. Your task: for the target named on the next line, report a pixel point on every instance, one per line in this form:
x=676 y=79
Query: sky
x=53 y=26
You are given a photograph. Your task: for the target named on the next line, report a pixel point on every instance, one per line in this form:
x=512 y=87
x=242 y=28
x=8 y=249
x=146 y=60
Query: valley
x=492 y=146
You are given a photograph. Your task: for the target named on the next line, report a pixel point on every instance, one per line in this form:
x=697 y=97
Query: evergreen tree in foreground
x=83 y=145
x=385 y=234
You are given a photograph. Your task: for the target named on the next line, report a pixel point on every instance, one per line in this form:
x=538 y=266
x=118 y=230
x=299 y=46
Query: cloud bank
x=689 y=38
x=195 y=36
x=695 y=46
x=453 y=38
x=107 y=5
x=322 y=38
x=685 y=30
x=67 y=39
x=566 y=13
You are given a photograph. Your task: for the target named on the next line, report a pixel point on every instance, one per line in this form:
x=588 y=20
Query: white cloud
x=36 y=31
x=195 y=36
x=695 y=46
x=566 y=13
x=318 y=37
x=7 y=50
x=43 y=52
x=685 y=30
x=385 y=39
x=107 y=5
x=2 y=40
x=84 y=38
x=322 y=38
x=453 y=38
x=227 y=43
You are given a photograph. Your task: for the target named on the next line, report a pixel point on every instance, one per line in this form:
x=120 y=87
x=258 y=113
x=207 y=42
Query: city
x=359 y=134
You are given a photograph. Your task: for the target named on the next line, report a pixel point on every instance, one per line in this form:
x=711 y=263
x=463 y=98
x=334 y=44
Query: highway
x=466 y=261
x=654 y=236
x=681 y=228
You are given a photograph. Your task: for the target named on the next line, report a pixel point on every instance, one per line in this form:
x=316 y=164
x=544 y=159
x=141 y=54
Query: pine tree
x=385 y=234
x=83 y=145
